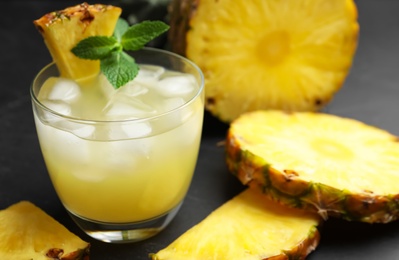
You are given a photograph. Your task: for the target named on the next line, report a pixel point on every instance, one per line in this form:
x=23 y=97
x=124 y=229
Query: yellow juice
x=127 y=170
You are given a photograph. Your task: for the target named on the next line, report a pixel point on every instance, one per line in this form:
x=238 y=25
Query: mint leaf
x=120 y=28
x=119 y=68
x=95 y=47
x=139 y=34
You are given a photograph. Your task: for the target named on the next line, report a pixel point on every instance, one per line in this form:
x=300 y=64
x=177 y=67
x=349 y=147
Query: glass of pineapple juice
x=121 y=161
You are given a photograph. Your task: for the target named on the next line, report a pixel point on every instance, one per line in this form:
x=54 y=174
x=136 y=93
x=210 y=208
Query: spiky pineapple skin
x=58 y=254
x=302 y=250
x=289 y=189
x=180 y=13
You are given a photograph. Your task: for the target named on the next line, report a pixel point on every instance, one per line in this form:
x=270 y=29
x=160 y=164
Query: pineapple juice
x=127 y=179
x=120 y=156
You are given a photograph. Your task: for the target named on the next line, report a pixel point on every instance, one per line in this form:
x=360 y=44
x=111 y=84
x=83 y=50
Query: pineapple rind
x=247 y=228
x=259 y=173
x=180 y=13
x=223 y=38
x=63 y=29
x=27 y=232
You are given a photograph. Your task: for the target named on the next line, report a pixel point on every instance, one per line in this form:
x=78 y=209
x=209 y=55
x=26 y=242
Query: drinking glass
x=123 y=180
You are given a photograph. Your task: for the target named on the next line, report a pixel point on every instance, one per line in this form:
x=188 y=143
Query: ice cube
x=173 y=86
x=106 y=88
x=59 y=107
x=149 y=75
x=171 y=103
x=128 y=102
x=132 y=89
x=62 y=143
x=126 y=155
x=83 y=131
x=129 y=130
x=64 y=89
x=149 y=71
x=78 y=129
x=136 y=130
x=128 y=110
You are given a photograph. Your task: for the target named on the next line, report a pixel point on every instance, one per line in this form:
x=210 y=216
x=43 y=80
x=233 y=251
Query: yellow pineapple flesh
x=292 y=55
x=27 y=232
x=334 y=165
x=63 y=29
x=247 y=228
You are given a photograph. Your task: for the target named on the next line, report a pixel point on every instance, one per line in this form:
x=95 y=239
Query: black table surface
x=370 y=94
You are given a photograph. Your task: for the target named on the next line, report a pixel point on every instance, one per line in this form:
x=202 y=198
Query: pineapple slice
x=62 y=30
x=336 y=166
x=292 y=55
x=26 y=232
x=248 y=227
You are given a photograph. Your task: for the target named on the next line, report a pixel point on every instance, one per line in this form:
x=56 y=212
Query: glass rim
x=149 y=118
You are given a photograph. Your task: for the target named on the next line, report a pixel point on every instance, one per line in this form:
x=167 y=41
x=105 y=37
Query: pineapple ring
x=336 y=166
x=267 y=54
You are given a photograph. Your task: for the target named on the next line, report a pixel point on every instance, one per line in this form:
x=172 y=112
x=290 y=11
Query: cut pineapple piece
x=247 y=228
x=62 y=30
x=26 y=232
x=292 y=55
x=336 y=166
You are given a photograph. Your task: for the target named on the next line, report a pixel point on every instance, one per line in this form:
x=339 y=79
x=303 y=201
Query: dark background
x=370 y=94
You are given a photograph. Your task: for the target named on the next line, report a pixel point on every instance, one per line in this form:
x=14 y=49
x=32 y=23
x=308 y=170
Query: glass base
x=125 y=232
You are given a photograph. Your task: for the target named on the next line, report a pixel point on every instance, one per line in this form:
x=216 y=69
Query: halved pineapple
x=247 y=227
x=336 y=166
x=62 y=30
x=292 y=55
x=27 y=232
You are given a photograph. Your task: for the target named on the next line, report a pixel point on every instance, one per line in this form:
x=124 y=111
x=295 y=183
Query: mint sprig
x=118 y=66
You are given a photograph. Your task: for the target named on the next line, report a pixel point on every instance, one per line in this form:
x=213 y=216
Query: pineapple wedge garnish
x=63 y=29
x=336 y=166
x=27 y=232
x=247 y=227
x=292 y=55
